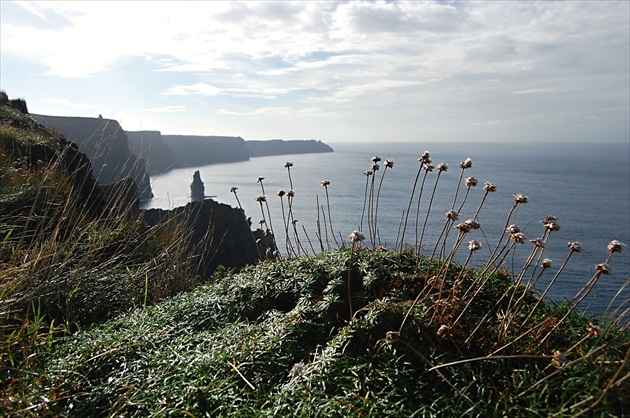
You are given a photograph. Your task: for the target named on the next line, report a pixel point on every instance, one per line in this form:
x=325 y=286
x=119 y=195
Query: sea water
x=585 y=185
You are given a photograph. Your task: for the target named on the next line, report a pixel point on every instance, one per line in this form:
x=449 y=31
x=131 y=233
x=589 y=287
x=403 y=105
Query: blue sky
x=334 y=71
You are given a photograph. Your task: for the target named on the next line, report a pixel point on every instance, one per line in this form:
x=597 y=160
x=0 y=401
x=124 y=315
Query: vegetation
x=102 y=316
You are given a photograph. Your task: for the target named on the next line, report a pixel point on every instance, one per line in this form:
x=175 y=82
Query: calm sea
x=586 y=186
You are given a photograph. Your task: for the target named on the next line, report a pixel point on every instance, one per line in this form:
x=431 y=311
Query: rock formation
x=197 y=189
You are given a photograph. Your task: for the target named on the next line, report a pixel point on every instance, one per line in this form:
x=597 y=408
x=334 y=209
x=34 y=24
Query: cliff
x=106 y=145
x=165 y=152
x=281 y=147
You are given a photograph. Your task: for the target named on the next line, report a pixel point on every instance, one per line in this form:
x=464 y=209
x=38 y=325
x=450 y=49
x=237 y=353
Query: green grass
x=227 y=349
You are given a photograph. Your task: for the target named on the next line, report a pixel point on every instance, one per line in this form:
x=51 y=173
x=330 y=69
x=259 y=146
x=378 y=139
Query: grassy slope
x=227 y=348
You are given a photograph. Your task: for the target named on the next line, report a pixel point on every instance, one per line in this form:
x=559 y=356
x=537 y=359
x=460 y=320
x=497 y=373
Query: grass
x=104 y=316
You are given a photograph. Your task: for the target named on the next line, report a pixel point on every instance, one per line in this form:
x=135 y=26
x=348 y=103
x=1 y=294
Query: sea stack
x=197 y=189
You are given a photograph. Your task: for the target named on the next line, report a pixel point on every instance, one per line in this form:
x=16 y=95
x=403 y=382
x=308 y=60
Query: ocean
x=585 y=185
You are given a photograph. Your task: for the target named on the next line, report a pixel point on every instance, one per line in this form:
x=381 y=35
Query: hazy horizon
x=338 y=72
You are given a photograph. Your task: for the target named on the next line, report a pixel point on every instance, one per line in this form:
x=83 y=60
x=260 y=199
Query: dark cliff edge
x=106 y=145
x=216 y=234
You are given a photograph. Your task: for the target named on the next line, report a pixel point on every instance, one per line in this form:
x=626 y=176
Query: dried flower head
x=489 y=187
x=297 y=369
x=294 y=221
x=615 y=246
x=376 y=159
x=576 y=247
x=442 y=331
x=375 y=167
x=262 y=222
x=467 y=163
x=425 y=158
x=392 y=335
x=291 y=193
x=356 y=236
x=428 y=167
x=463 y=227
x=452 y=215
x=558 y=359
x=281 y=193
x=261 y=198
x=474 y=245
x=324 y=183
x=368 y=172
x=538 y=242
x=603 y=268
x=546 y=264
x=520 y=198
x=233 y=189
x=442 y=167
x=513 y=229
x=260 y=178
x=473 y=224
x=389 y=163
x=596 y=330
x=518 y=238
x=471 y=182
x=288 y=164
x=548 y=219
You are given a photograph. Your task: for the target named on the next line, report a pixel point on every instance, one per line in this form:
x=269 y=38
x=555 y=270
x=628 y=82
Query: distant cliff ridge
x=281 y=147
x=165 y=152
x=106 y=145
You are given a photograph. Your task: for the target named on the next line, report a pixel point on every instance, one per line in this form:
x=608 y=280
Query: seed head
x=467 y=163
x=294 y=221
x=442 y=167
x=260 y=179
x=375 y=167
x=281 y=193
x=389 y=163
x=288 y=164
x=452 y=215
x=262 y=222
x=324 y=183
x=518 y=238
x=356 y=236
x=576 y=247
x=442 y=331
x=615 y=246
x=473 y=224
x=520 y=198
x=538 y=242
x=261 y=198
x=474 y=245
x=558 y=359
x=425 y=158
x=489 y=187
x=546 y=264
x=513 y=229
x=233 y=189
x=463 y=227
x=596 y=330
x=376 y=159
x=471 y=182
x=428 y=167
x=603 y=268
x=291 y=193
x=368 y=173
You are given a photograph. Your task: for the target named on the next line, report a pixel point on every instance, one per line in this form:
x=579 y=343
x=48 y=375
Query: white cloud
x=203 y=89
x=165 y=109
x=70 y=104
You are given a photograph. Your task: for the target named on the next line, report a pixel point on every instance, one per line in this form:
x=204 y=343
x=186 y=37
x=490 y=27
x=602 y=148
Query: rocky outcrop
x=106 y=144
x=197 y=189
x=281 y=147
x=214 y=233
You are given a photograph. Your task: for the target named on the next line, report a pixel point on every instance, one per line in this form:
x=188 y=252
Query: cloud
x=202 y=89
x=166 y=109
x=72 y=105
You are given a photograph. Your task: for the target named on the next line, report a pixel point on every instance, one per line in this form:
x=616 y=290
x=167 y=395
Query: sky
x=333 y=71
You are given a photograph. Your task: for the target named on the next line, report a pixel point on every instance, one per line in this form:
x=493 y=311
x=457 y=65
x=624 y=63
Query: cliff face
x=150 y=146
x=194 y=151
x=105 y=143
